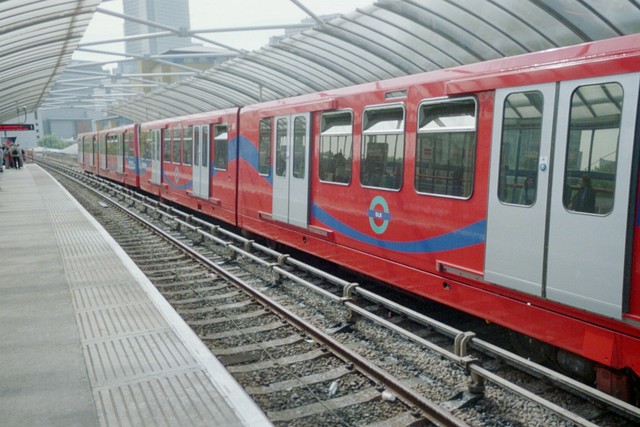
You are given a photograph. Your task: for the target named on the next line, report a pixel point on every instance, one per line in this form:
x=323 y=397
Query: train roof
x=579 y=61
x=191 y=119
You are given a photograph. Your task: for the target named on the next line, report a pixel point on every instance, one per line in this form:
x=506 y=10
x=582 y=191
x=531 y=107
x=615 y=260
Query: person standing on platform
x=15 y=156
x=5 y=156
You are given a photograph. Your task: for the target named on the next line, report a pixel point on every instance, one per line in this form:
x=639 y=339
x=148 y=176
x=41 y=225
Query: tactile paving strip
x=140 y=370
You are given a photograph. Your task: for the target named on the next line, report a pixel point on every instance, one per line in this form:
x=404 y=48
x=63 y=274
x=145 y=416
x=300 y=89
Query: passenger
x=585 y=198
x=528 y=192
x=15 y=156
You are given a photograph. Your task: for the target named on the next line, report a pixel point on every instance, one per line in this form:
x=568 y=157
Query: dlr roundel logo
x=379 y=215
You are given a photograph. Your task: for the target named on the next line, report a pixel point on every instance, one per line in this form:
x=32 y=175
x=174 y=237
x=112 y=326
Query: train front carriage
x=507 y=189
x=87 y=151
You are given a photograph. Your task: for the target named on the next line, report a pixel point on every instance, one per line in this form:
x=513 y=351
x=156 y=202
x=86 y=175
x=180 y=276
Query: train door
x=80 y=151
x=559 y=200
x=590 y=204
x=201 y=163
x=92 y=154
x=519 y=181
x=102 y=148
x=120 y=152
x=156 y=157
x=291 y=178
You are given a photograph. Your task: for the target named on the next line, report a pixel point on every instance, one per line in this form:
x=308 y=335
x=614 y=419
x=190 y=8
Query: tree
x=52 y=141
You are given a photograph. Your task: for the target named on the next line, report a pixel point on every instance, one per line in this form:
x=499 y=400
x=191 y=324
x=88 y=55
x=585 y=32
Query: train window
x=382 y=159
x=128 y=142
x=264 y=147
x=166 y=145
x=103 y=148
x=145 y=145
x=221 y=147
x=282 y=126
x=336 y=147
x=120 y=147
x=445 y=149
x=592 y=148
x=520 y=149
x=197 y=147
x=176 y=145
x=112 y=145
x=205 y=146
x=187 y=149
x=299 y=146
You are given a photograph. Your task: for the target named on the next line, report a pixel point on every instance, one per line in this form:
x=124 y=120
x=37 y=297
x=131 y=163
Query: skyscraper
x=173 y=13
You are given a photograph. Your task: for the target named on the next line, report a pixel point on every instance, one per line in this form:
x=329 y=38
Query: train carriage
x=507 y=189
x=87 y=151
x=118 y=154
x=191 y=160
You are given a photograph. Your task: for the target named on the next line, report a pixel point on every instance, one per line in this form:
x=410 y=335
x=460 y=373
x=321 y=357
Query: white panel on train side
x=121 y=153
x=280 y=203
x=102 y=144
x=291 y=178
x=201 y=161
x=521 y=146
x=156 y=157
x=586 y=260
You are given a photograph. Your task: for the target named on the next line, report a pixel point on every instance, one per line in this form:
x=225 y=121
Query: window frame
x=218 y=142
x=176 y=131
x=269 y=139
x=520 y=170
x=349 y=160
x=473 y=169
x=593 y=173
x=364 y=133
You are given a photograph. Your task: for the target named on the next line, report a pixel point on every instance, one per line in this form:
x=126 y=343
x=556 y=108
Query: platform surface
x=85 y=339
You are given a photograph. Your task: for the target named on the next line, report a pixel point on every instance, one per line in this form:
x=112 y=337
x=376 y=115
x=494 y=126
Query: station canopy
x=389 y=38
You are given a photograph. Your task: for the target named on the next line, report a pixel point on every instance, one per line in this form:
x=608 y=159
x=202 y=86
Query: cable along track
x=381 y=374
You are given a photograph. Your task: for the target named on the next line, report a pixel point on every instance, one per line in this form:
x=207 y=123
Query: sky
x=210 y=14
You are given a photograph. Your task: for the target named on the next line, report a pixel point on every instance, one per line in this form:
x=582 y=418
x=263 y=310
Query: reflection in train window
x=445 y=150
x=264 y=147
x=197 y=148
x=187 y=149
x=282 y=125
x=129 y=147
x=166 y=146
x=204 y=149
x=176 y=145
x=336 y=146
x=592 y=148
x=382 y=162
x=299 y=146
x=520 y=148
x=221 y=147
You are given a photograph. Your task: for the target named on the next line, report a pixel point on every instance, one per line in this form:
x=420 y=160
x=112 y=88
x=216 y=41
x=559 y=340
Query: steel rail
x=533 y=368
x=429 y=409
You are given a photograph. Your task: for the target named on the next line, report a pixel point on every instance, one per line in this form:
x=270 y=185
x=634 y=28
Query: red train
x=507 y=189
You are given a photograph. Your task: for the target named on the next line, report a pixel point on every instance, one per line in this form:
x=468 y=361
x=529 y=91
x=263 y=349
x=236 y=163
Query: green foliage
x=51 y=141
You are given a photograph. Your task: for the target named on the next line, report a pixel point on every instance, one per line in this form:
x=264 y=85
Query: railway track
x=313 y=349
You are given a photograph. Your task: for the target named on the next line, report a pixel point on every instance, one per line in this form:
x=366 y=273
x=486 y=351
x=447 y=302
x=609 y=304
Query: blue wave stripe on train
x=467 y=236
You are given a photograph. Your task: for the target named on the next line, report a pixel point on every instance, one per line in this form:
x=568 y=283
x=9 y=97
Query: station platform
x=86 y=339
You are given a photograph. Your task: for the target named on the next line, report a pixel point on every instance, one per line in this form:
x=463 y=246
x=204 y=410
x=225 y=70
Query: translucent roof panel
x=393 y=38
x=37 y=39
x=389 y=38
